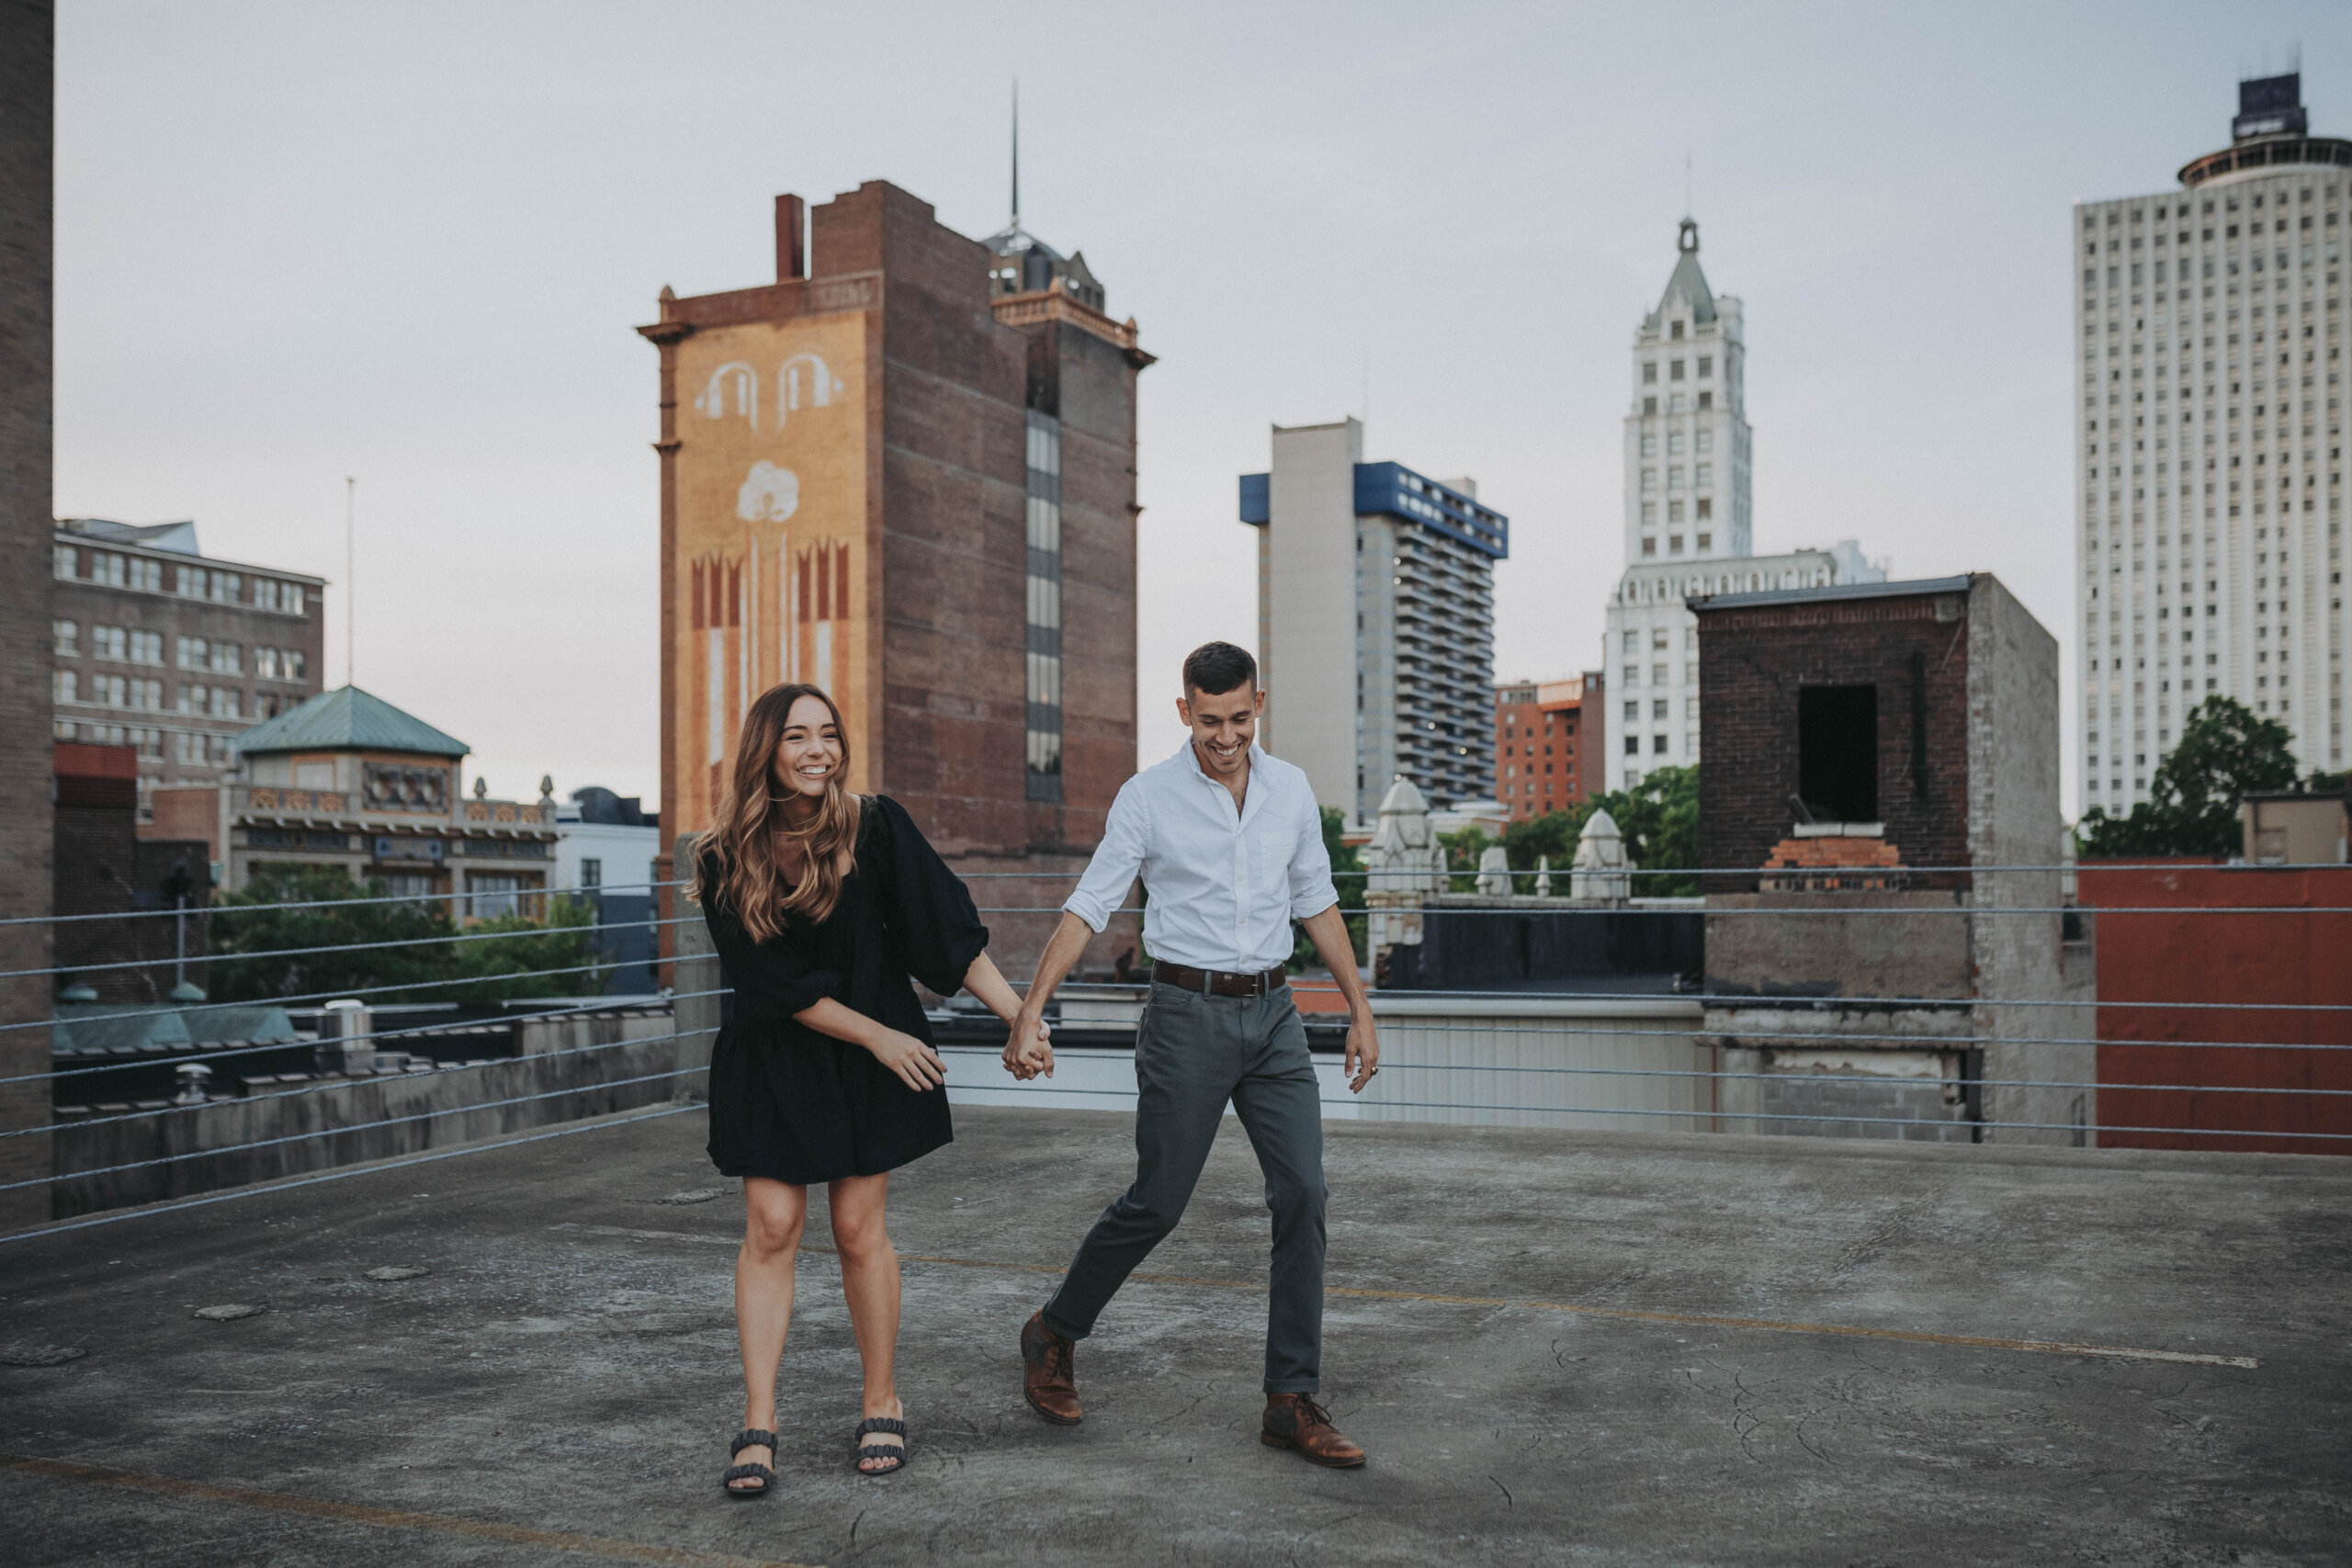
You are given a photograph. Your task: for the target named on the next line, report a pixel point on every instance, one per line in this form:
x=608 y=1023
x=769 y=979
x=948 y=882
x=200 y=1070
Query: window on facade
x=1045 y=627
x=1705 y=442
x=1706 y=401
x=68 y=638
x=592 y=872
x=1649 y=405
x=1674 y=369
x=1675 y=332
x=1706 y=366
x=1837 y=751
x=1649 y=372
x=1649 y=514
x=1674 y=511
x=1633 y=748
x=1674 y=444
x=1649 y=444
x=65 y=686
x=493 y=895
x=1649 y=479
x=1649 y=545
x=1705 y=475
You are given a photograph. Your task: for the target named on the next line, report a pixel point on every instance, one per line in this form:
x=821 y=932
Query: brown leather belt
x=1218 y=982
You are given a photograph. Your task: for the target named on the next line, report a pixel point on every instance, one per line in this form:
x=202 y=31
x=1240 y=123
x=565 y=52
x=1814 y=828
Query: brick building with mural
x=905 y=470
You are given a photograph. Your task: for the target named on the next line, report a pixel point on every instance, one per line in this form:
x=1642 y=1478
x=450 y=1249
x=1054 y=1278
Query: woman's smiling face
x=810 y=753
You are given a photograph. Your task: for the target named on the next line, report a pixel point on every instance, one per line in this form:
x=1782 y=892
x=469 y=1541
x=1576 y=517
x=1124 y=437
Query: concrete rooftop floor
x=559 y=1386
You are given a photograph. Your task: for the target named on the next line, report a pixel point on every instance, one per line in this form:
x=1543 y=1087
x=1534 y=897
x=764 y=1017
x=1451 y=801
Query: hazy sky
x=408 y=242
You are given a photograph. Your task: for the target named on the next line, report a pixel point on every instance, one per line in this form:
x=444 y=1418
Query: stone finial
x=482 y=789
x=1543 y=876
x=1404 y=856
x=1404 y=863
x=546 y=789
x=1601 y=864
x=1494 y=872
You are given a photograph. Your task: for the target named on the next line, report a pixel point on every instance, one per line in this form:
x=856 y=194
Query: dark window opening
x=1837 y=752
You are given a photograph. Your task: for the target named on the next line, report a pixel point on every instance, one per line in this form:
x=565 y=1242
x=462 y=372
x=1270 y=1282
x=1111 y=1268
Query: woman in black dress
x=822 y=903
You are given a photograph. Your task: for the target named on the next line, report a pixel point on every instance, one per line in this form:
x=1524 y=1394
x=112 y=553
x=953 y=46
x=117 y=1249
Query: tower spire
x=1017 y=152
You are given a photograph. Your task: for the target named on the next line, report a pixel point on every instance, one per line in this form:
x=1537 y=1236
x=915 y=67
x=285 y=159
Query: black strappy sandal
x=881 y=1451
x=749 y=1437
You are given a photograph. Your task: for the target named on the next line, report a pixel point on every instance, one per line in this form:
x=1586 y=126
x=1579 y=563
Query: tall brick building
x=27 y=97
x=905 y=470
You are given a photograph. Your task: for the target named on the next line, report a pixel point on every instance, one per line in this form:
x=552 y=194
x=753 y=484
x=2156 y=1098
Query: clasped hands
x=1028 y=1047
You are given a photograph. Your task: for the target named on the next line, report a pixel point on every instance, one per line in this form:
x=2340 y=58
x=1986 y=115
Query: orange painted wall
x=775 y=568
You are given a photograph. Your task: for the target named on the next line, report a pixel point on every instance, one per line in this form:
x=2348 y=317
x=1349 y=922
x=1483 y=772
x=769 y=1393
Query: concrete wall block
x=439 y=1100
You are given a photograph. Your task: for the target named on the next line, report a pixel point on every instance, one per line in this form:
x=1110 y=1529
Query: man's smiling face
x=1223 y=725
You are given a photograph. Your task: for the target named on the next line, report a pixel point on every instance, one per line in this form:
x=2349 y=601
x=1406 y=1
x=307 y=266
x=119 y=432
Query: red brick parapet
x=1833 y=865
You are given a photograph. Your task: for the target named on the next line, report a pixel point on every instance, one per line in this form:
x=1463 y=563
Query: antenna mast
x=1017 y=152
x=350 y=579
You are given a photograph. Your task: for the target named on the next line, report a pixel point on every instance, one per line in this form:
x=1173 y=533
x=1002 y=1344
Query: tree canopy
x=405 y=945
x=2192 y=804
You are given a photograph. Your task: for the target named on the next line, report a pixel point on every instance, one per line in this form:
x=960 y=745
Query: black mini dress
x=792 y=1104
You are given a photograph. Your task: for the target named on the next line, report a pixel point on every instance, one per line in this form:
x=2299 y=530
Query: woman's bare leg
x=774 y=1213
x=870 y=1285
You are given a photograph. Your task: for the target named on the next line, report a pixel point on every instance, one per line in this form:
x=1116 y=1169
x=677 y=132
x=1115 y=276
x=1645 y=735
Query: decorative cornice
x=1055 y=305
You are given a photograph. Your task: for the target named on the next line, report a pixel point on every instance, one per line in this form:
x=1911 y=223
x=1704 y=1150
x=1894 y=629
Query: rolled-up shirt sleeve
x=1311 y=891
x=1118 y=859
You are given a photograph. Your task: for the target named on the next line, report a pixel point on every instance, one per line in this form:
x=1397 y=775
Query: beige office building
x=1688 y=518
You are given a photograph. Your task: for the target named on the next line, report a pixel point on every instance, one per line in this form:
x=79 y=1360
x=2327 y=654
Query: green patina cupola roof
x=1689 y=285
x=348 y=719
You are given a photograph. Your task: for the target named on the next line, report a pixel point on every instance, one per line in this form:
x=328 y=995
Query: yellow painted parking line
x=1631 y=1315
x=383 y=1518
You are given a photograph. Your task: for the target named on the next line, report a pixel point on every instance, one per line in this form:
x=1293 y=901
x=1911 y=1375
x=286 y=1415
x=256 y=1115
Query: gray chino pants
x=1192 y=1054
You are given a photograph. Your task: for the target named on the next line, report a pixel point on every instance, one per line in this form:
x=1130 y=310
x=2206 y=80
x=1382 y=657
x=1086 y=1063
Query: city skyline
x=387 y=257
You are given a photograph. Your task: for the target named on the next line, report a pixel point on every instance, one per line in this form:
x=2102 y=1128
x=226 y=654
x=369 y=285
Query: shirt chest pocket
x=1264 y=860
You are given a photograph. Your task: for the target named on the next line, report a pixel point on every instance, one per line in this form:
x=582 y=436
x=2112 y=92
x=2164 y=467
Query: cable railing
x=1419 y=1042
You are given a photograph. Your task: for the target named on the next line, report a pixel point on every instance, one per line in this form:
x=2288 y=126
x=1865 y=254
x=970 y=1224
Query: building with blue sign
x=1375 y=621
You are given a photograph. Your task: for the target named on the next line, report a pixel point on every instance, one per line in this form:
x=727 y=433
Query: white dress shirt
x=1224 y=884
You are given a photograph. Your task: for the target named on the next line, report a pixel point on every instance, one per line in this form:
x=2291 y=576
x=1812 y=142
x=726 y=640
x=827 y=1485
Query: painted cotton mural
x=772 y=534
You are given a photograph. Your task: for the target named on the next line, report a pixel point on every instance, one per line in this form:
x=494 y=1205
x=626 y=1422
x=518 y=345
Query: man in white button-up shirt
x=1228 y=842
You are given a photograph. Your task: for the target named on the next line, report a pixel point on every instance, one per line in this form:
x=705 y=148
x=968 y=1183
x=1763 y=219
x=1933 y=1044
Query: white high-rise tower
x=2210 y=520
x=1688 y=518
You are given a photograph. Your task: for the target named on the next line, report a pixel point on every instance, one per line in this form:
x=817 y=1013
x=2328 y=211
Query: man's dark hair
x=1215 y=667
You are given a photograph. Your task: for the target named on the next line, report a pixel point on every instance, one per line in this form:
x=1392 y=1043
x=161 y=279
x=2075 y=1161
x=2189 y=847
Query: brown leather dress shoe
x=1294 y=1421
x=1049 y=1372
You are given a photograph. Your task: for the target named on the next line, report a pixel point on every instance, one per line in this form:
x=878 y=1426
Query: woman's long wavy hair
x=741 y=866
